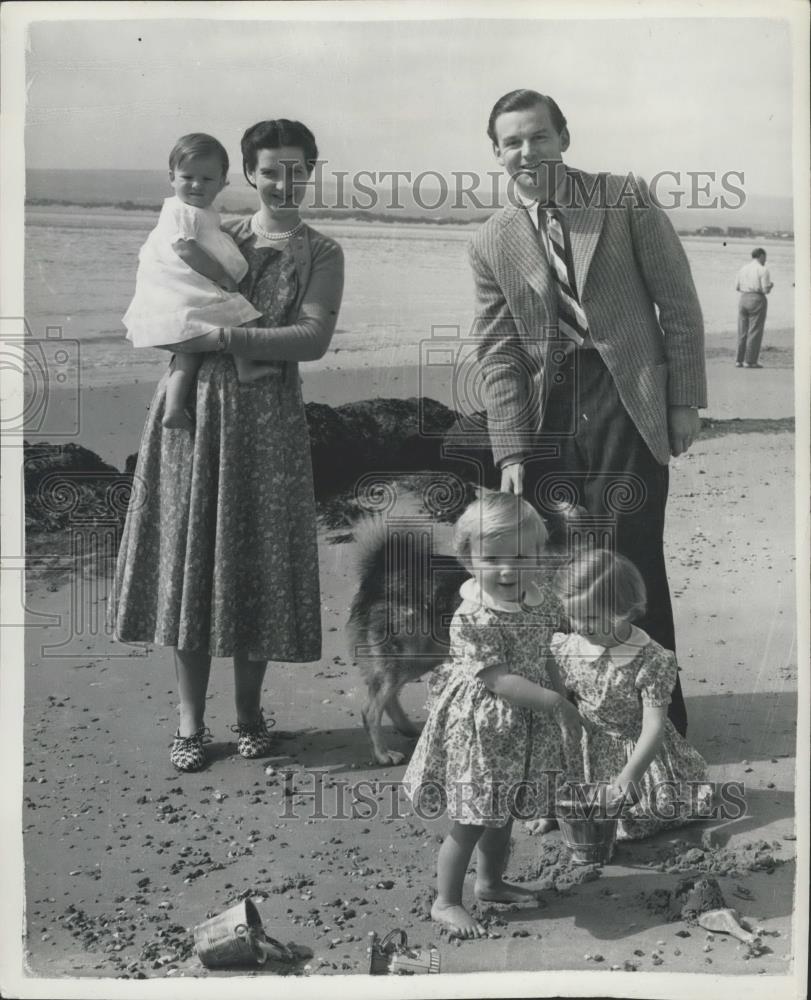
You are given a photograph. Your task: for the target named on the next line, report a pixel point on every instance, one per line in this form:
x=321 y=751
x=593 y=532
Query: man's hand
x=684 y=424
x=512 y=478
x=228 y=283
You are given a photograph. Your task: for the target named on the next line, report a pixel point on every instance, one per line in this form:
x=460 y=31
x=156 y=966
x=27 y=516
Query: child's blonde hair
x=605 y=583
x=493 y=514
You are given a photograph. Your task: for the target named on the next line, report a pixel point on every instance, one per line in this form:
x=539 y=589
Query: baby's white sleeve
x=185 y=222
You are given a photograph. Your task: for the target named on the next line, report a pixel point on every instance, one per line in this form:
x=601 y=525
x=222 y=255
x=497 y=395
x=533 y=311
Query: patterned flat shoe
x=188 y=752
x=253 y=738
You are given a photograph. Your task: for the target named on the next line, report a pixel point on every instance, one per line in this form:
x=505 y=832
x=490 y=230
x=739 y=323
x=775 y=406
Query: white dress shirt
x=754 y=277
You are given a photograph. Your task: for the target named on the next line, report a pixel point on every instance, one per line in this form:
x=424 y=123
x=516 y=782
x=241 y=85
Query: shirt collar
x=531 y=204
x=471 y=591
x=630 y=648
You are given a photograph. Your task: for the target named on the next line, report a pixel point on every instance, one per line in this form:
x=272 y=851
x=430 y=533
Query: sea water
x=403 y=282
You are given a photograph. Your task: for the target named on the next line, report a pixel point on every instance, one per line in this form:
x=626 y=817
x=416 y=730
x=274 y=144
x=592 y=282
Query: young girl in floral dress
x=493 y=744
x=621 y=680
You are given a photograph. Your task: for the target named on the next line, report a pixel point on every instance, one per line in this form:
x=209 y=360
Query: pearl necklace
x=274 y=236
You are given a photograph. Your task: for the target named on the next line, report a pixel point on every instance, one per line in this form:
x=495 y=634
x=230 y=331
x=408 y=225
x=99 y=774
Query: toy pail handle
x=387 y=945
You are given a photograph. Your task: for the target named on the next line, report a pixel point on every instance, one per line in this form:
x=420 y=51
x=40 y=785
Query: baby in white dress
x=188 y=269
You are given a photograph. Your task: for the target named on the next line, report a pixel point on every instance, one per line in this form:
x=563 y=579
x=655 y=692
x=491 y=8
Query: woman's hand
x=228 y=283
x=252 y=371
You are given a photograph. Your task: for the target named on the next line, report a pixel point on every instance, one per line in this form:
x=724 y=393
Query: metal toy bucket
x=590 y=839
x=231 y=938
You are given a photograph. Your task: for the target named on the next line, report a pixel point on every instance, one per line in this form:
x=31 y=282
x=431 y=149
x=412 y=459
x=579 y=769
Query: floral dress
x=481 y=758
x=219 y=548
x=611 y=686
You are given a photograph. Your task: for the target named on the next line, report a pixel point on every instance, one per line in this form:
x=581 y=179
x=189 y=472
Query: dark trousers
x=603 y=464
x=751 y=320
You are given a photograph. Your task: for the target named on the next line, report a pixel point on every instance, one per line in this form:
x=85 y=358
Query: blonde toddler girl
x=496 y=724
x=622 y=681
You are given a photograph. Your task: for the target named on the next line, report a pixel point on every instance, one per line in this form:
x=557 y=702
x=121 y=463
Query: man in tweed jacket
x=595 y=423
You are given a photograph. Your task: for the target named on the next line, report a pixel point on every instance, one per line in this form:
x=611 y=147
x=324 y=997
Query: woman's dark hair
x=197 y=144
x=273 y=135
x=522 y=100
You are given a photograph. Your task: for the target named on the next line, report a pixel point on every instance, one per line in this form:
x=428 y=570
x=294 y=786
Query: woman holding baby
x=219 y=555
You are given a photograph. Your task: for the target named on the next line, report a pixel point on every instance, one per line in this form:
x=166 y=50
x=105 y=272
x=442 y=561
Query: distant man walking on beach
x=754 y=283
x=585 y=385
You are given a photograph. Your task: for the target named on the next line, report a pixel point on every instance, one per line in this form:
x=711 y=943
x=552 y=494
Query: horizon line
x=237 y=174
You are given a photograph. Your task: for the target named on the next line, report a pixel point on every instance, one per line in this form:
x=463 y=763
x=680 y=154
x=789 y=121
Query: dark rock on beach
x=45 y=460
x=354 y=447
x=364 y=454
x=467 y=445
x=381 y=437
x=67 y=485
x=357 y=448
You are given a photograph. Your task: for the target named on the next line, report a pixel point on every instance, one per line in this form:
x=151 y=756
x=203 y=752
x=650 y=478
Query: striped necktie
x=572 y=320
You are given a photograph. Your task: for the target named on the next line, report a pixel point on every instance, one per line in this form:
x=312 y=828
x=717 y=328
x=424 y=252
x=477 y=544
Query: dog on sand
x=399 y=620
x=400 y=617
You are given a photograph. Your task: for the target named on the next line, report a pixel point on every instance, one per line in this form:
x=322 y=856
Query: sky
x=645 y=95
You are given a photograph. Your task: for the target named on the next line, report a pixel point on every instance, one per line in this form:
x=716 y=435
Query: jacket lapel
x=518 y=241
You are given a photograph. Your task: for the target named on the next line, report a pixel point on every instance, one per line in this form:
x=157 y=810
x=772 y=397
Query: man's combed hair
x=522 y=100
x=197 y=144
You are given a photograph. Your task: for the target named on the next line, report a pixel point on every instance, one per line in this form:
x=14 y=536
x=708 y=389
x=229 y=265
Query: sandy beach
x=124 y=856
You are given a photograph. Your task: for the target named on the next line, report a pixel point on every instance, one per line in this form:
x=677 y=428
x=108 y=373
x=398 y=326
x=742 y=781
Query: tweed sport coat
x=637 y=292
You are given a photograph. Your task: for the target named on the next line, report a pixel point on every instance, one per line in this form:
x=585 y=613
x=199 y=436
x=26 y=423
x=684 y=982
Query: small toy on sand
x=726 y=921
x=236 y=937
x=393 y=957
x=587 y=826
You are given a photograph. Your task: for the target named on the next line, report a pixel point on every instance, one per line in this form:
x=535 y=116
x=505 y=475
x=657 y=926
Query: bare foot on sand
x=457 y=920
x=541 y=826
x=178 y=420
x=505 y=892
